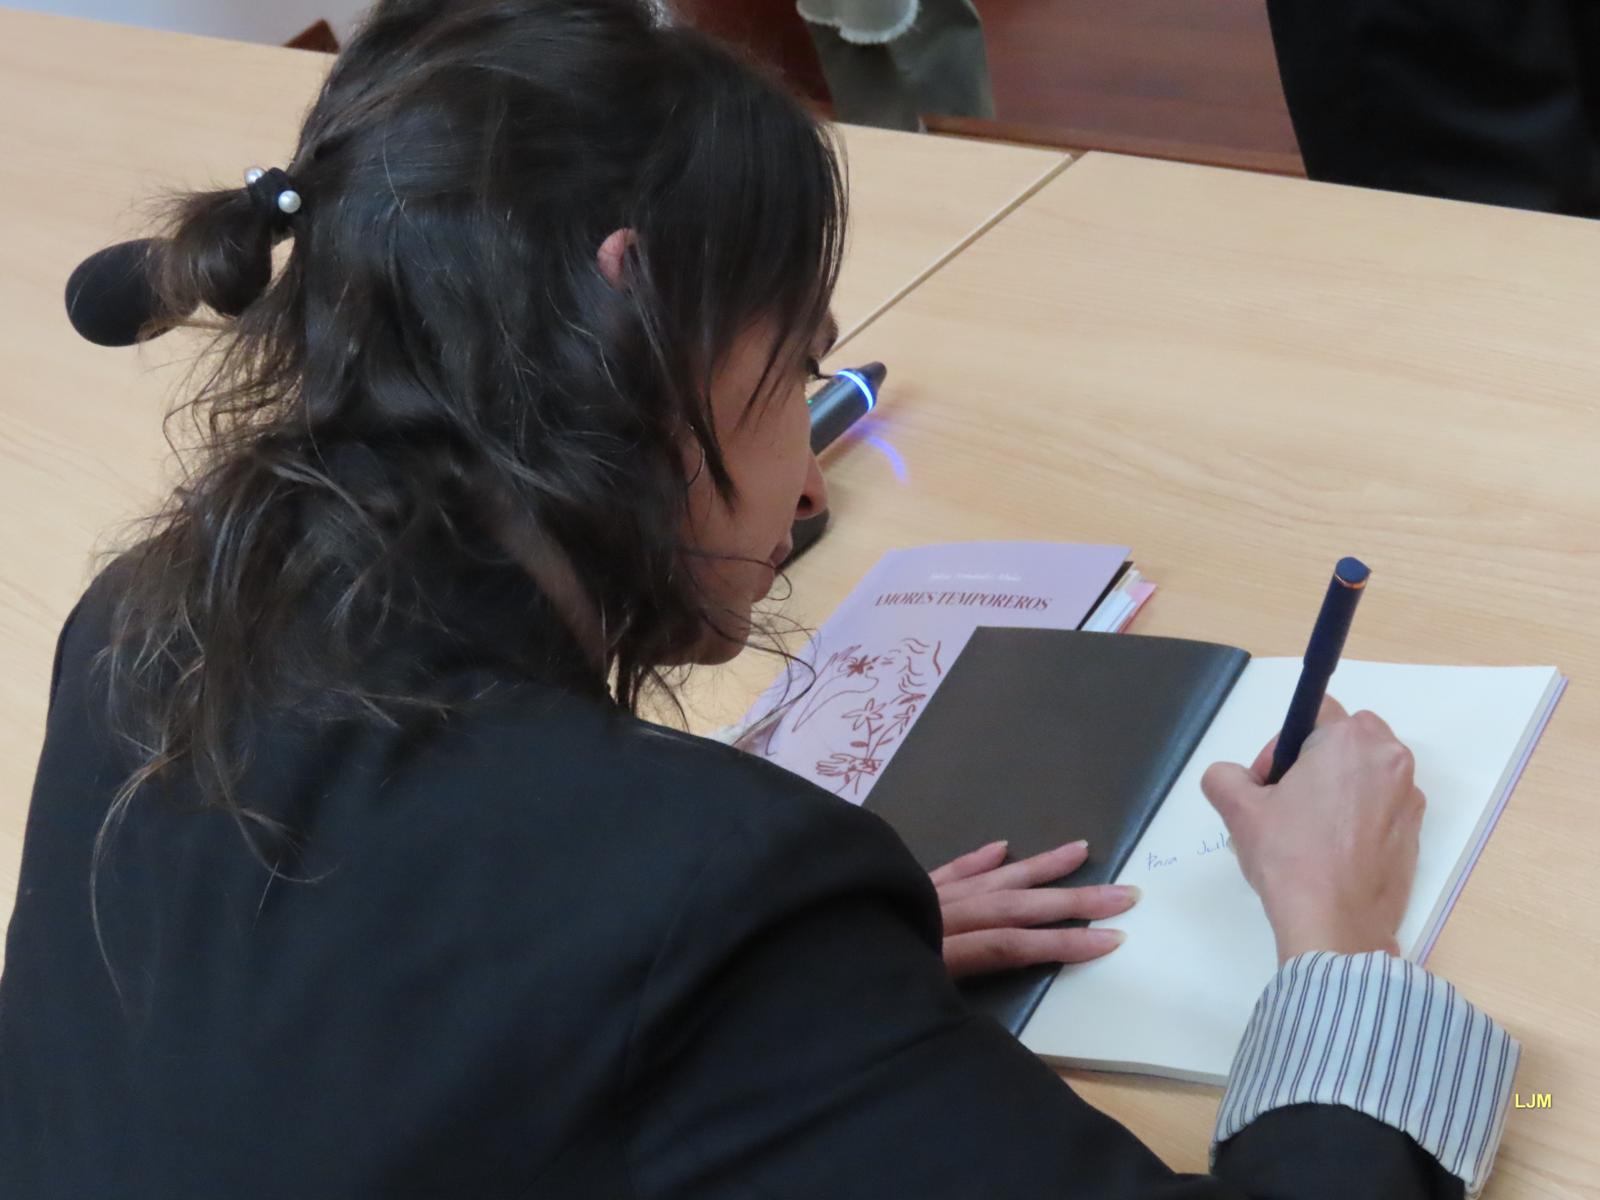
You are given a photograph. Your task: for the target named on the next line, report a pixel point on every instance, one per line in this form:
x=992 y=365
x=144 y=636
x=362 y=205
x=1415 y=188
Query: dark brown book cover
x=1044 y=736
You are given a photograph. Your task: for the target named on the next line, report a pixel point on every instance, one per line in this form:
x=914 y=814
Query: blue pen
x=1322 y=658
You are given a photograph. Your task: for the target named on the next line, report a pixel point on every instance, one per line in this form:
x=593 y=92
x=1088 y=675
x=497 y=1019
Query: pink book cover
x=838 y=715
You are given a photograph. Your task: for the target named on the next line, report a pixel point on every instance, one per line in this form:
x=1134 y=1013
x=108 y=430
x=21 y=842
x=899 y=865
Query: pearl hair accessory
x=274 y=193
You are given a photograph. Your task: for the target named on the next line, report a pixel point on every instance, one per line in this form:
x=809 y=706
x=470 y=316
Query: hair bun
x=220 y=251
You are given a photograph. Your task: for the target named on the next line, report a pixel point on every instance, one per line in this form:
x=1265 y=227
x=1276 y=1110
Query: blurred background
x=1475 y=100
x=1191 y=79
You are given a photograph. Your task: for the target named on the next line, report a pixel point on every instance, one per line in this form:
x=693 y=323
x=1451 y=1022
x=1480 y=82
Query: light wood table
x=101 y=119
x=915 y=202
x=1246 y=378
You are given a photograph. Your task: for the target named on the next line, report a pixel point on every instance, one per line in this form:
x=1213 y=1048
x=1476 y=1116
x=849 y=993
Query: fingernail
x=1128 y=892
x=1003 y=843
x=1109 y=937
x=1078 y=845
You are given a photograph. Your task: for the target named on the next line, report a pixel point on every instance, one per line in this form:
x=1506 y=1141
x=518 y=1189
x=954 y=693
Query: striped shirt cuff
x=1382 y=1036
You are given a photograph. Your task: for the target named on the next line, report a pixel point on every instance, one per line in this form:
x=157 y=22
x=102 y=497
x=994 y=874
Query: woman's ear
x=611 y=258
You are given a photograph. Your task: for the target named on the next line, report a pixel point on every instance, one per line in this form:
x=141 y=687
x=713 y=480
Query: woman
x=349 y=870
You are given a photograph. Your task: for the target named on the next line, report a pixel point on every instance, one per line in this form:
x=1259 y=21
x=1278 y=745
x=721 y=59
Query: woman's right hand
x=1331 y=849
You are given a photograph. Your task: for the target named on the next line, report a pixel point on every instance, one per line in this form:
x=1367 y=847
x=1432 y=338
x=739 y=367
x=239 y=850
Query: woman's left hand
x=990 y=908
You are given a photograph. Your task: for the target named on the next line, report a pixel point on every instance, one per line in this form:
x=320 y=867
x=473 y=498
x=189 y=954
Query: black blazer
x=541 y=949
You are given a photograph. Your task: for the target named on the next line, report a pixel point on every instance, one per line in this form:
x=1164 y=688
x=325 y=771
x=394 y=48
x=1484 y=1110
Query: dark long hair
x=437 y=364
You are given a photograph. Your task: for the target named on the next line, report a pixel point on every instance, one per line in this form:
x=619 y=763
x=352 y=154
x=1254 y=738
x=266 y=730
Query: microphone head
x=110 y=297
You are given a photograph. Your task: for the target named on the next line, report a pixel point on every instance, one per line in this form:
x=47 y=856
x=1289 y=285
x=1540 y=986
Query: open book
x=1045 y=736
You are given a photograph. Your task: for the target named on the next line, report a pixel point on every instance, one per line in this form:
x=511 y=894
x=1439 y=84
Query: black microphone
x=110 y=296
x=849 y=395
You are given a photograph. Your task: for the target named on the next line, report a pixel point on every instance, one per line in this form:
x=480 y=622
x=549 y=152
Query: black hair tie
x=274 y=194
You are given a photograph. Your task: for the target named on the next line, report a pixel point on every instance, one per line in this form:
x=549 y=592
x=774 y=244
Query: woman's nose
x=814 y=495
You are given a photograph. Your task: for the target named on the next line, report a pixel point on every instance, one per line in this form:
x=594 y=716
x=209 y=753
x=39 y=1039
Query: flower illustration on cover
x=865 y=700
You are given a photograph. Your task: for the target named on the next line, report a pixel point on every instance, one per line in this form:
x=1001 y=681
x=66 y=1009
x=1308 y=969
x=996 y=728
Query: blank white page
x=1175 y=997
